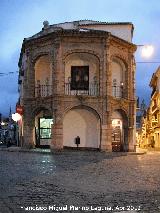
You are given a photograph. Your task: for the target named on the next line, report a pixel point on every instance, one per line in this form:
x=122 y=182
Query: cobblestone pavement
x=79 y=181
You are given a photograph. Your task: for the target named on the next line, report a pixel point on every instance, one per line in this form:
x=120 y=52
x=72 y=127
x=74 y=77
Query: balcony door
x=43 y=77
x=82 y=71
x=80 y=78
x=116 y=135
x=118 y=78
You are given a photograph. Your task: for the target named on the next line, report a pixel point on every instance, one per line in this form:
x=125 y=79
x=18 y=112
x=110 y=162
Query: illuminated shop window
x=45 y=128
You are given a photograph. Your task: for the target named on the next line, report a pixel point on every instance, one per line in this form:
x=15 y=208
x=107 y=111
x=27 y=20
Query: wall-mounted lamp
x=122 y=84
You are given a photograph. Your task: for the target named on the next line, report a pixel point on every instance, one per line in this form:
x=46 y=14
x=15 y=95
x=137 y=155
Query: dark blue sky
x=20 y=19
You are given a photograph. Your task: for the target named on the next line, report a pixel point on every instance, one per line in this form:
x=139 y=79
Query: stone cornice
x=124 y=43
x=78 y=33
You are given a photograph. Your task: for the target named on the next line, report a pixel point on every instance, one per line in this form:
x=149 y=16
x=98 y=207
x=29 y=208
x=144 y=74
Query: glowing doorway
x=117 y=135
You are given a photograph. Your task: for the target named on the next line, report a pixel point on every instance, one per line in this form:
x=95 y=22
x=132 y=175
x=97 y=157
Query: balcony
x=93 y=90
x=43 y=90
x=118 y=91
x=154 y=107
x=154 y=122
x=154 y=93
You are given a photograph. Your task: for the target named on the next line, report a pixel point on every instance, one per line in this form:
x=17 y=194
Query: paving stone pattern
x=79 y=181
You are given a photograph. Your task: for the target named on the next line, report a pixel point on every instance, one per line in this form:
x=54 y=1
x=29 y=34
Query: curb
x=17 y=149
x=137 y=153
x=48 y=151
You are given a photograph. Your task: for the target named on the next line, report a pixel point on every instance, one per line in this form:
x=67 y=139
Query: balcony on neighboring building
x=92 y=89
x=153 y=92
x=154 y=122
x=43 y=90
x=154 y=107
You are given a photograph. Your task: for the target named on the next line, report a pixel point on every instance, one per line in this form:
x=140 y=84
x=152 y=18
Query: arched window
x=118 y=78
x=43 y=75
x=81 y=74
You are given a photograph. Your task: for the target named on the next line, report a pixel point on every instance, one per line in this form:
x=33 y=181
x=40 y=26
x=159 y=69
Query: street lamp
x=2 y=123
x=147 y=50
x=17 y=117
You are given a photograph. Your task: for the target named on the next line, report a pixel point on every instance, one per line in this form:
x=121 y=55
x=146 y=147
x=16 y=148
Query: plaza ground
x=79 y=181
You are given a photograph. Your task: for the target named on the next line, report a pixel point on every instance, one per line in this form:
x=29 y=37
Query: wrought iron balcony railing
x=118 y=91
x=153 y=92
x=93 y=90
x=154 y=107
x=43 y=90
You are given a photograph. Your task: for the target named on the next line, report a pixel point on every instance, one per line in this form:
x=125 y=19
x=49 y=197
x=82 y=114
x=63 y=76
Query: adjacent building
x=150 y=133
x=77 y=80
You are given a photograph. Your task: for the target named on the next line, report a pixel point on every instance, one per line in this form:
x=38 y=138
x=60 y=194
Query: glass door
x=116 y=135
x=45 y=131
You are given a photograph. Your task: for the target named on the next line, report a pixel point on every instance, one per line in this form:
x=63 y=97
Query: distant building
x=7 y=129
x=154 y=137
x=78 y=79
x=140 y=123
x=141 y=111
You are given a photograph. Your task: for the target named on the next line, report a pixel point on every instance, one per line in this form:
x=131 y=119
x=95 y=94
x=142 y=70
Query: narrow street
x=79 y=181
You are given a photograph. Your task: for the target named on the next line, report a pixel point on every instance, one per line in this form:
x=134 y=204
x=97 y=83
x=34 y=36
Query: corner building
x=78 y=79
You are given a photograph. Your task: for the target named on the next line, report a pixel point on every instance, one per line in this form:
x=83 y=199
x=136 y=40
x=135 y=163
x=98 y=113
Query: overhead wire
x=7 y=73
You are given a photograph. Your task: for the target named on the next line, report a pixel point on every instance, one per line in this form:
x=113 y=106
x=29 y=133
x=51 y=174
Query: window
x=45 y=127
x=79 y=77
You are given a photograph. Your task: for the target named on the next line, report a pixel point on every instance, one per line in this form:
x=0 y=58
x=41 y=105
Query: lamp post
x=17 y=117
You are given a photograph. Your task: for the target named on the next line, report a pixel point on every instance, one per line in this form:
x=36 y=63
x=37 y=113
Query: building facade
x=150 y=133
x=77 y=79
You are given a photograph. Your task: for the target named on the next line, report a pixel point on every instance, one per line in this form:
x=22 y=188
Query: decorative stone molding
x=69 y=52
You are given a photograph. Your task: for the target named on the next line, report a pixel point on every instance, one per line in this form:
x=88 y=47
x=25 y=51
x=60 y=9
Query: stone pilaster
x=28 y=134
x=132 y=126
x=131 y=133
x=57 y=129
x=106 y=133
x=30 y=77
x=108 y=69
x=57 y=137
x=106 y=144
x=32 y=81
